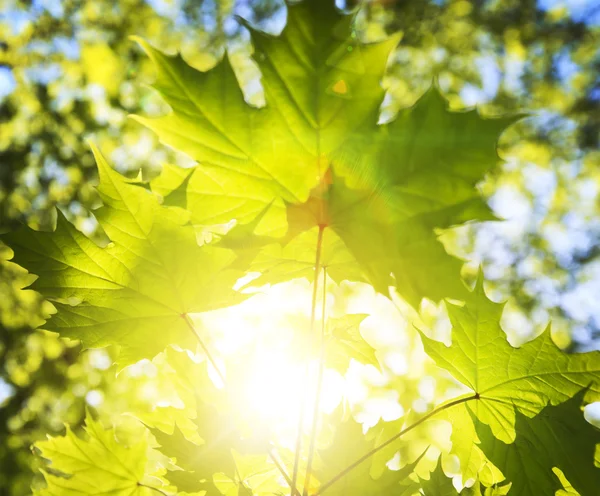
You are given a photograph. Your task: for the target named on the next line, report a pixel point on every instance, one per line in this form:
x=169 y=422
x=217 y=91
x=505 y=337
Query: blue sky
x=587 y=11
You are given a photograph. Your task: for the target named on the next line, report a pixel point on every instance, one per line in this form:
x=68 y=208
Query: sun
x=265 y=355
x=273 y=382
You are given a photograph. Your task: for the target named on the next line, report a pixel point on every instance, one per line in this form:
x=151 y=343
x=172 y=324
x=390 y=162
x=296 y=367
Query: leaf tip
x=144 y=45
x=479 y=280
x=101 y=163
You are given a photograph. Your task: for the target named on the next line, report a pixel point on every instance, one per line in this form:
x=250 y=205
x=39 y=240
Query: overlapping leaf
x=439 y=484
x=96 y=465
x=199 y=462
x=254 y=477
x=348 y=445
x=212 y=456
x=136 y=291
x=508 y=381
x=382 y=190
x=344 y=342
x=557 y=437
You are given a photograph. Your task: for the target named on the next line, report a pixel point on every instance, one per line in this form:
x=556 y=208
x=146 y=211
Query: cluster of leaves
x=314 y=183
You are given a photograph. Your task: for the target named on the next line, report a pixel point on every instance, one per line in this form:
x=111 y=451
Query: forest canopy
x=251 y=247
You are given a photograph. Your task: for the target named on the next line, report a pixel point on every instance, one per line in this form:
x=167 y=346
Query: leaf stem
x=152 y=488
x=282 y=470
x=298 y=447
x=315 y=419
x=212 y=361
x=394 y=438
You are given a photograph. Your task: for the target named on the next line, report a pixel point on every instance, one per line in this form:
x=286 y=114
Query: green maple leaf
x=348 y=445
x=198 y=461
x=254 y=476
x=96 y=465
x=557 y=437
x=136 y=291
x=439 y=484
x=280 y=262
x=344 y=342
x=221 y=435
x=507 y=381
x=380 y=189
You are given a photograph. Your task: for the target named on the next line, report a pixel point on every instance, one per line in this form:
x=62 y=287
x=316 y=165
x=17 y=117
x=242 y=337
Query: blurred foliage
x=503 y=55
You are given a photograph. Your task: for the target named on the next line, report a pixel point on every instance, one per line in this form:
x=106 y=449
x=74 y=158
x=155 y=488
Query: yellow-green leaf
x=99 y=464
x=382 y=190
x=135 y=292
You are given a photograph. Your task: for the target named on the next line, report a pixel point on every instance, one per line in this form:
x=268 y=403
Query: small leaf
x=348 y=445
x=99 y=464
x=439 y=484
x=344 y=342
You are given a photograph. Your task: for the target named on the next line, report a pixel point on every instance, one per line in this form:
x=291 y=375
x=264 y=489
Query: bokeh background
x=70 y=74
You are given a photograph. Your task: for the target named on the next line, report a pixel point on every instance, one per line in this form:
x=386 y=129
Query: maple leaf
x=439 y=484
x=280 y=262
x=348 y=444
x=97 y=465
x=199 y=462
x=381 y=189
x=507 y=381
x=344 y=342
x=254 y=477
x=557 y=437
x=141 y=285
x=213 y=456
x=279 y=146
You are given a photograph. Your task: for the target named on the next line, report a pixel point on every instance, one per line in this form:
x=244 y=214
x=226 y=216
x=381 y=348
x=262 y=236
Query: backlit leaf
x=557 y=437
x=134 y=292
x=379 y=190
x=509 y=382
x=98 y=464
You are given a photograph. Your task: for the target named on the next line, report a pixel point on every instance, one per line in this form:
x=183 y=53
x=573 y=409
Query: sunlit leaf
x=219 y=430
x=558 y=436
x=134 y=292
x=380 y=190
x=344 y=343
x=98 y=464
x=348 y=445
x=439 y=484
x=255 y=476
x=508 y=381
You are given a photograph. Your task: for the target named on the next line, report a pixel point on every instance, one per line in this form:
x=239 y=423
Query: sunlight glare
x=265 y=355
x=273 y=384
